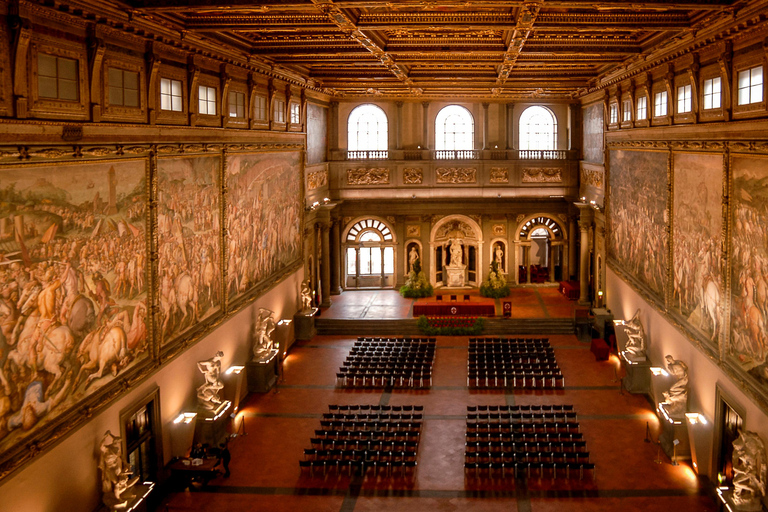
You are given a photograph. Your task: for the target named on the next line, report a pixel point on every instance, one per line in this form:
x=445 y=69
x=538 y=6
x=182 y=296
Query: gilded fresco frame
x=42 y=439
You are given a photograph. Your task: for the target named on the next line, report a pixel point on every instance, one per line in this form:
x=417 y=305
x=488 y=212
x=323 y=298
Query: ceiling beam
x=526 y=17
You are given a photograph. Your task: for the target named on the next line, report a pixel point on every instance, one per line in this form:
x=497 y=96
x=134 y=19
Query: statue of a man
x=413 y=255
x=208 y=393
x=749 y=470
x=636 y=336
x=456 y=253
x=116 y=481
x=265 y=326
x=677 y=396
x=306 y=296
x=498 y=257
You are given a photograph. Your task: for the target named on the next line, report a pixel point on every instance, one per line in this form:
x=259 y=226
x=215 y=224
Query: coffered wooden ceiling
x=448 y=48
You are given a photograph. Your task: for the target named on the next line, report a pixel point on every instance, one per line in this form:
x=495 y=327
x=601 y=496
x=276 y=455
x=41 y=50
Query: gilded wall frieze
x=317 y=179
x=542 y=175
x=499 y=175
x=362 y=176
x=456 y=175
x=413 y=176
x=592 y=177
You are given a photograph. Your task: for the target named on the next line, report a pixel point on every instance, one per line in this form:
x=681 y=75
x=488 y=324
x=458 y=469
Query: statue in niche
x=750 y=471
x=498 y=257
x=262 y=334
x=676 y=397
x=116 y=481
x=413 y=255
x=208 y=393
x=456 y=254
x=306 y=296
x=635 y=347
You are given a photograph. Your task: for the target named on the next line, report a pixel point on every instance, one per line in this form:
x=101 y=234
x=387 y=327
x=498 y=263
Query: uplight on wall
x=185 y=417
x=234 y=370
x=657 y=370
x=695 y=418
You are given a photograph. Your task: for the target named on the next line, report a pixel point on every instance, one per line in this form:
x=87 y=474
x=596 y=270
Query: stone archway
x=541 y=248
x=456 y=243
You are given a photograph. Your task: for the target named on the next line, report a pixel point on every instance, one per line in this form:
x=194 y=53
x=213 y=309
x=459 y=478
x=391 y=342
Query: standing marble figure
x=116 y=481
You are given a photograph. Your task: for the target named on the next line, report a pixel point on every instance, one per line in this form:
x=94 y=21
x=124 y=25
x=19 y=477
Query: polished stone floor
x=279 y=424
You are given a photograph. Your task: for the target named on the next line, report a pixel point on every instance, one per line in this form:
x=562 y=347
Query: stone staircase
x=407 y=327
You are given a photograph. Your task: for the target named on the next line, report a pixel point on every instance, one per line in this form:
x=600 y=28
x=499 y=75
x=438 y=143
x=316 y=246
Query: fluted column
x=510 y=126
x=425 y=129
x=572 y=220
x=485 y=126
x=336 y=258
x=325 y=263
x=585 y=224
x=399 y=126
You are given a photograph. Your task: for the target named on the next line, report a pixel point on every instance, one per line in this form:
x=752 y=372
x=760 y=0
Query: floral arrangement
x=494 y=285
x=451 y=325
x=417 y=285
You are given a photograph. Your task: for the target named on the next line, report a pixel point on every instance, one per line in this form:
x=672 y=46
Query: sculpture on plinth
x=413 y=256
x=750 y=471
x=635 y=347
x=306 y=297
x=208 y=393
x=262 y=334
x=456 y=269
x=676 y=398
x=116 y=481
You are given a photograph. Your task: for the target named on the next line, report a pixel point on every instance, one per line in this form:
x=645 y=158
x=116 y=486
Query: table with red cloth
x=453 y=309
x=570 y=289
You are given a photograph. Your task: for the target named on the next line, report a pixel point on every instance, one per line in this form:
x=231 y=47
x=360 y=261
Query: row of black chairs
x=516 y=380
x=552 y=427
x=491 y=339
x=388 y=363
x=474 y=446
x=538 y=456
x=362 y=467
x=519 y=417
x=315 y=454
x=398 y=339
x=378 y=416
x=501 y=363
x=352 y=431
x=523 y=437
x=525 y=467
x=519 y=408
x=364 y=408
x=414 y=379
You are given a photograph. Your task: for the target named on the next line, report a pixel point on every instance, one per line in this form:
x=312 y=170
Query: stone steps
x=407 y=327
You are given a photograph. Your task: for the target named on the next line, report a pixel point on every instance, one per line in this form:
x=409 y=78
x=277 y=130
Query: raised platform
x=454 y=309
x=408 y=327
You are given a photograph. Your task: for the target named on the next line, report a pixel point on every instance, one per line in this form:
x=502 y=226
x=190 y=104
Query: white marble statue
x=413 y=255
x=750 y=471
x=676 y=397
x=208 y=393
x=456 y=254
x=498 y=257
x=116 y=481
x=635 y=347
x=262 y=334
x=306 y=296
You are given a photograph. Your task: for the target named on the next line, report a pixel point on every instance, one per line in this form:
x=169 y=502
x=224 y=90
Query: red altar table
x=570 y=289
x=453 y=309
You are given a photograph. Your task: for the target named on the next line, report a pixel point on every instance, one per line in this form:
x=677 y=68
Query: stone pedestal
x=262 y=373
x=137 y=502
x=211 y=426
x=637 y=375
x=456 y=277
x=304 y=325
x=674 y=428
x=726 y=497
x=601 y=317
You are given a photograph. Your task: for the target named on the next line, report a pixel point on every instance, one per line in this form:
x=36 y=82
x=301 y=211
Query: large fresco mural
x=749 y=261
x=639 y=217
x=593 y=133
x=263 y=217
x=73 y=286
x=189 y=252
x=696 y=249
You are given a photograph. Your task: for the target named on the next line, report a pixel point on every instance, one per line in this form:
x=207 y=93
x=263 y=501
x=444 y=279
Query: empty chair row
x=430 y=340
x=319 y=454
x=513 y=468
x=501 y=456
x=368 y=379
x=544 y=448
x=374 y=408
x=553 y=427
x=358 y=466
x=503 y=339
x=519 y=417
x=550 y=380
x=362 y=427
x=383 y=417
x=523 y=437
x=521 y=408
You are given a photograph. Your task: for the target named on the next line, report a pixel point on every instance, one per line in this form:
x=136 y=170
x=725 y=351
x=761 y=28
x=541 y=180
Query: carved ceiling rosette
x=456 y=175
x=362 y=176
x=317 y=179
x=413 y=176
x=499 y=175
x=542 y=175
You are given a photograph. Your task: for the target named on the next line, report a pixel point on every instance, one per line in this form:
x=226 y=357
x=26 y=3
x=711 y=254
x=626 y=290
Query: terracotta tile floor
x=266 y=476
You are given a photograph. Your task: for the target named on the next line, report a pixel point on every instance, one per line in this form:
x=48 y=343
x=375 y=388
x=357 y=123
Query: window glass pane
x=370 y=236
x=165 y=102
x=389 y=260
x=115 y=95
x=757 y=75
x=176 y=103
x=202 y=106
x=67 y=90
x=115 y=77
x=165 y=86
x=131 y=98
x=454 y=129
x=46 y=87
x=743 y=79
x=365 y=260
x=46 y=65
x=743 y=96
x=131 y=80
x=176 y=88
x=351 y=261
x=67 y=69
x=538 y=128
x=375 y=260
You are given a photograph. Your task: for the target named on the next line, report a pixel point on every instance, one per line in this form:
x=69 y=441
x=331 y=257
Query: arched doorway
x=455 y=244
x=541 y=248
x=369 y=248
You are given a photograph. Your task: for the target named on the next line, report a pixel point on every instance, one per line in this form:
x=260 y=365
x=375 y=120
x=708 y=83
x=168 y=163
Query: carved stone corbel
x=725 y=62
x=96 y=50
x=194 y=77
x=153 y=80
x=693 y=76
x=225 y=80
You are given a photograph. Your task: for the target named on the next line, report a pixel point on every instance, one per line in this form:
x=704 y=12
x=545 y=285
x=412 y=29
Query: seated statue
x=116 y=481
x=749 y=471
x=635 y=346
x=262 y=334
x=676 y=397
x=306 y=296
x=208 y=393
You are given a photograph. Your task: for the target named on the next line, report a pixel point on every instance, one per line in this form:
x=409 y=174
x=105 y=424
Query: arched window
x=370 y=255
x=454 y=129
x=367 y=131
x=538 y=129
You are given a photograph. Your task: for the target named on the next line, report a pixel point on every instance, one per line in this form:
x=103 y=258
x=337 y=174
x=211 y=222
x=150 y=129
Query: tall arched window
x=538 y=129
x=454 y=129
x=367 y=131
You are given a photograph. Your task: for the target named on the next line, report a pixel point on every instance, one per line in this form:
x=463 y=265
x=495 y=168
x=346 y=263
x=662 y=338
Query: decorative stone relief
x=413 y=231
x=499 y=229
x=456 y=175
x=391 y=219
x=413 y=176
x=362 y=176
x=499 y=175
x=542 y=175
x=520 y=218
x=592 y=177
x=317 y=179
x=347 y=220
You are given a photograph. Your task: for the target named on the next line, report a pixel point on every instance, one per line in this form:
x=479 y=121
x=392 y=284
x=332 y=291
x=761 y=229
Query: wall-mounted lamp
x=696 y=418
x=285 y=321
x=185 y=417
x=220 y=410
x=656 y=371
x=662 y=407
x=618 y=322
x=326 y=200
x=234 y=369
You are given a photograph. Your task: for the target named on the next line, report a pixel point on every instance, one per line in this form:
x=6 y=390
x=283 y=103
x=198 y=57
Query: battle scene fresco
x=593 y=133
x=638 y=216
x=749 y=261
x=73 y=287
x=696 y=248
x=189 y=252
x=263 y=217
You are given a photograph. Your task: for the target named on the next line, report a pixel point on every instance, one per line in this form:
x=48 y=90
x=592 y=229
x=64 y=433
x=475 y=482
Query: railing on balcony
x=457 y=154
x=542 y=154
x=376 y=154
